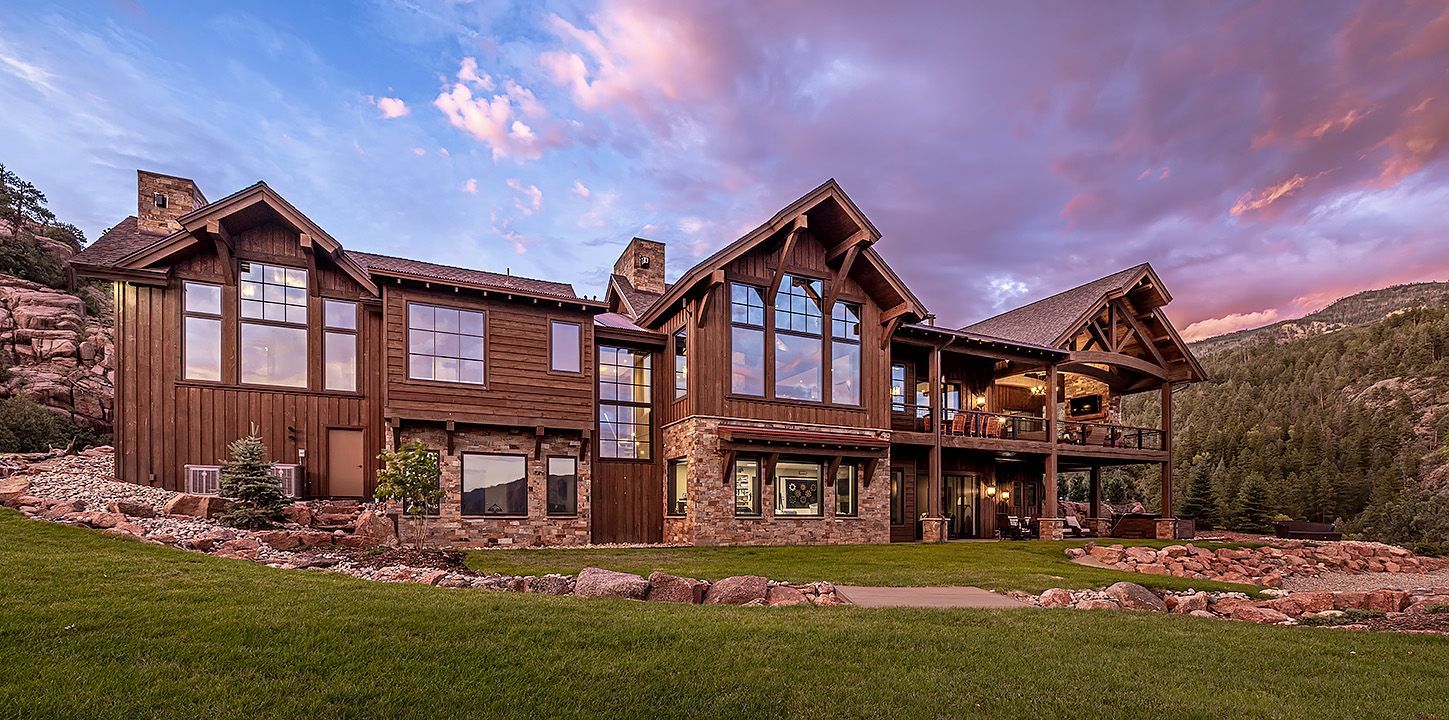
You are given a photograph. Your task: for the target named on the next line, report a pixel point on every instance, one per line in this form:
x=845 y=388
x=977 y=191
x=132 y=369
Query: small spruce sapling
x=247 y=481
x=410 y=476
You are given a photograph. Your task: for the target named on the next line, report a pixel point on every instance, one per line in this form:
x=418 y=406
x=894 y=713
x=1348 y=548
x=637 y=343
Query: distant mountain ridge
x=1363 y=308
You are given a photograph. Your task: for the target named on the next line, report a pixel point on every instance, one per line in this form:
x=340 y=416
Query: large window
x=847 y=490
x=563 y=486
x=898 y=388
x=495 y=485
x=747 y=340
x=845 y=354
x=340 y=344
x=565 y=342
x=747 y=486
x=676 y=492
x=201 y=344
x=797 y=488
x=275 y=293
x=898 y=497
x=798 y=344
x=681 y=362
x=273 y=308
x=445 y=344
x=625 y=403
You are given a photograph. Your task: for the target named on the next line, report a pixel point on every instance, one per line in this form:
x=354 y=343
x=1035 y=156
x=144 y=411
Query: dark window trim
x=220 y=319
x=778 y=482
x=855 y=499
x=306 y=288
x=548 y=459
x=679 y=393
x=766 y=372
x=601 y=402
x=462 y=490
x=759 y=486
x=668 y=485
x=406 y=353
x=240 y=355
x=582 y=355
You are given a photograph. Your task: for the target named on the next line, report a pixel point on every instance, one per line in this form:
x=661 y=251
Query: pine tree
x=247 y=480
x=1200 y=503
x=1254 y=513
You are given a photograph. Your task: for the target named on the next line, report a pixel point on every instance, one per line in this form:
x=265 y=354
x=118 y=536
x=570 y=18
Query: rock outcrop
x=1267 y=565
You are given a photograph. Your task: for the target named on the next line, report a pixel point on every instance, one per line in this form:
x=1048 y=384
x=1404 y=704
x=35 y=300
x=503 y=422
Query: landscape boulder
x=1098 y=604
x=1056 y=598
x=598 y=582
x=737 y=590
x=784 y=596
x=1313 y=602
x=201 y=506
x=546 y=585
x=1260 y=615
x=1386 y=601
x=374 y=529
x=298 y=512
x=1188 y=604
x=1135 y=597
x=280 y=539
x=134 y=509
x=1423 y=605
x=669 y=588
x=13 y=488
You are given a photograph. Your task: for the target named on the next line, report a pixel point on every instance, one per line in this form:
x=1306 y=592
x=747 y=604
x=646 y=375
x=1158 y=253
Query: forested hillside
x=1348 y=426
x=1359 y=309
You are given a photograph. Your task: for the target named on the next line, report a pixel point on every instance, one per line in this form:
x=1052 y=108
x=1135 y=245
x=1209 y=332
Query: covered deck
x=984 y=425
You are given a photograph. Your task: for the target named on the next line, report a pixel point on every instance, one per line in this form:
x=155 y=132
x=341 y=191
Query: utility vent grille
x=291 y=477
x=203 y=479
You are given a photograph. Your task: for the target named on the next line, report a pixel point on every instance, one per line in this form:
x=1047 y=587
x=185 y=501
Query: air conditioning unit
x=203 y=479
x=291 y=477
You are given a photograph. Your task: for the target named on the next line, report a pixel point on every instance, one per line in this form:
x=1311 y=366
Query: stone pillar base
x=1101 y=526
x=1052 y=528
x=933 y=530
x=1166 y=528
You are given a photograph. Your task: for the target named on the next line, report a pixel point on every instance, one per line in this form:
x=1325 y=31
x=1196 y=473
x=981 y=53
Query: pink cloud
x=1228 y=323
x=496 y=121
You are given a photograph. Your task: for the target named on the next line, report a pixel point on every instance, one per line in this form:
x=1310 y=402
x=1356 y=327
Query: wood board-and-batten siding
x=164 y=422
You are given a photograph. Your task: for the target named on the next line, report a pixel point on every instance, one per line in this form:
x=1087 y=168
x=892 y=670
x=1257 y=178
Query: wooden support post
x=1094 y=492
x=934 y=526
x=1049 y=502
x=1167 y=499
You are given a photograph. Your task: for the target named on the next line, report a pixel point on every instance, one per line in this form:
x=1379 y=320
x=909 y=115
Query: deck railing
x=1006 y=426
x=1072 y=432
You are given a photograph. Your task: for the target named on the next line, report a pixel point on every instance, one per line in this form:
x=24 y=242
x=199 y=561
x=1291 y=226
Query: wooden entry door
x=627 y=502
x=345 y=459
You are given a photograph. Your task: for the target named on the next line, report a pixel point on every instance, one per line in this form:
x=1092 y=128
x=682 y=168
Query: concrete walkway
x=926 y=597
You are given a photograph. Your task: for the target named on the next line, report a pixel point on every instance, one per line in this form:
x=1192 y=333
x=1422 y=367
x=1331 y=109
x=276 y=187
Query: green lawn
x=1032 y=566
x=99 y=627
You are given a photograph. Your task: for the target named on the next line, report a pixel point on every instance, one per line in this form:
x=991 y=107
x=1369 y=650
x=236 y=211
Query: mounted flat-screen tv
x=1084 y=405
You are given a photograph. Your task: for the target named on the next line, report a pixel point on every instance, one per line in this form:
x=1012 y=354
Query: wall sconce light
x=1005 y=495
x=990 y=490
x=980 y=400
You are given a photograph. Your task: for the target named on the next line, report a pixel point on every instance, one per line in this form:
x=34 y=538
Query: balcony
x=979 y=429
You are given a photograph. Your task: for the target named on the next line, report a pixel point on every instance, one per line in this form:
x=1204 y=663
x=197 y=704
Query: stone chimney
x=160 y=199
x=643 y=264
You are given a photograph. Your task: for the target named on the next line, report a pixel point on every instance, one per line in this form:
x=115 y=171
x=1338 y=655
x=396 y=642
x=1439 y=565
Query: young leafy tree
x=409 y=475
x=247 y=480
x=1254 y=512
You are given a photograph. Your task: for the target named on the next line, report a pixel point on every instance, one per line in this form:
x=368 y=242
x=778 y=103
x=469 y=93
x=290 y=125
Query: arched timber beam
x=1119 y=360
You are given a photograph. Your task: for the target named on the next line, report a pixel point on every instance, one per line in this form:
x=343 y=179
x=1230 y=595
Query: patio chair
x=1075 y=528
x=958 y=424
x=1010 y=527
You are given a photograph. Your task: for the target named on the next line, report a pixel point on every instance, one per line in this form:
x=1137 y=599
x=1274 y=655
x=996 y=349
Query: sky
x=1266 y=158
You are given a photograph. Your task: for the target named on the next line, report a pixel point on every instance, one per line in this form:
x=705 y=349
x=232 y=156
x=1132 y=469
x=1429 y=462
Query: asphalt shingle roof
x=1044 y=321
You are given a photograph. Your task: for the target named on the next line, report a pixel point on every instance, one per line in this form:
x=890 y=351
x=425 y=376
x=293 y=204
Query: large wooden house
x=787 y=389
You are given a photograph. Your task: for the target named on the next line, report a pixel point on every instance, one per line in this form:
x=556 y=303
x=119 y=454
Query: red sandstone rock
x=1098 y=604
x=1286 y=605
x=281 y=539
x=374 y=529
x=202 y=506
x=1349 y=600
x=1056 y=598
x=298 y=512
x=1135 y=597
x=1260 y=615
x=784 y=596
x=1187 y=604
x=736 y=590
x=134 y=509
x=1386 y=600
x=12 y=489
x=669 y=588
x=1313 y=602
x=597 y=582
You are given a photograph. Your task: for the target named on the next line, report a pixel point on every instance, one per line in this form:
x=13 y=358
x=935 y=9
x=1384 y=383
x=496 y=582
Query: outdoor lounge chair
x=1011 y=527
x=1076 y=529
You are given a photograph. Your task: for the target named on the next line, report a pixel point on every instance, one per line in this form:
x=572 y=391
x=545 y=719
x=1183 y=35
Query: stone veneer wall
x=710 y=518
x=451 y=529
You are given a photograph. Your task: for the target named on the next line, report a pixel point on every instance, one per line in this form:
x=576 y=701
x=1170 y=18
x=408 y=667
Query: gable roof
x=390 y=266
x=1051 y=320
x=636 y=301
x=830 y=189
